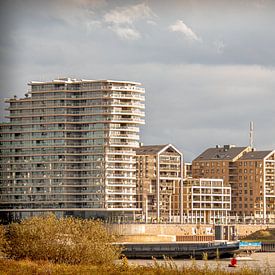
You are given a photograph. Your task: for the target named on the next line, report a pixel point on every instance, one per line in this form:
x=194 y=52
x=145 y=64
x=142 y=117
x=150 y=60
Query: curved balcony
x=120 y=176
x=120 y=168
x=124 y=185
x=120 y=152
x=69 y=113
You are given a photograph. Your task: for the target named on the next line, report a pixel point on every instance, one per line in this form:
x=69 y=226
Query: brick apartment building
x=159 y=183
x=251 y=175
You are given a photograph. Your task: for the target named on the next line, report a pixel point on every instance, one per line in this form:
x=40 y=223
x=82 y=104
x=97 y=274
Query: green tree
x=66 y=240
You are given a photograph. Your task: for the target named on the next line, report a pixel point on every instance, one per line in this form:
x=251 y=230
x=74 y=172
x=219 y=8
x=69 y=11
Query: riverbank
x=261 y=263
x=27 y=267
x=267 y=236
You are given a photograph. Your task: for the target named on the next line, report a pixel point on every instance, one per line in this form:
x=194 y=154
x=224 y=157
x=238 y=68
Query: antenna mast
x=251 y=135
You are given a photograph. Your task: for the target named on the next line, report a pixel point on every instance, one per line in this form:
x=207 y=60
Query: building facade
x=256 y=188
x=251 y=176
x=187 y=170
x=220 y=163
x=206 y=201
x=159 y=176
x=70 y=148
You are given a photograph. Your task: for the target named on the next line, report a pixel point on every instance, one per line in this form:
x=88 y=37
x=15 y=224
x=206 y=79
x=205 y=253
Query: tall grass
x=27 y=267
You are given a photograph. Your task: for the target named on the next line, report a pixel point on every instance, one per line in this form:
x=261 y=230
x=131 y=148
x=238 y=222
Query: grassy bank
x=267 y=235
x=27 y=267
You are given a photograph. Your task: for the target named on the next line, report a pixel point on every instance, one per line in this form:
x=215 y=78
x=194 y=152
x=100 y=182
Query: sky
x=208 y=67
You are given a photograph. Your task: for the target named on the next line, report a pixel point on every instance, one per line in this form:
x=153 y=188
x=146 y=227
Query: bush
x=3 y=241
x=66 y=240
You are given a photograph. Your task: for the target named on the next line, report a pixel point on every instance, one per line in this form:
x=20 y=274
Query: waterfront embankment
x=262 y=262
x=170 y=232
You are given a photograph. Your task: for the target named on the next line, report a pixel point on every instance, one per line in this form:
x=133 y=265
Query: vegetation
x=26 y=267
x=48 y=245
x=262 y=235
x=3 y=241
x=65 y=240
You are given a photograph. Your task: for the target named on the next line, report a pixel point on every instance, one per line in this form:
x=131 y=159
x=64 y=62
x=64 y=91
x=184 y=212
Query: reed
x=27 y=267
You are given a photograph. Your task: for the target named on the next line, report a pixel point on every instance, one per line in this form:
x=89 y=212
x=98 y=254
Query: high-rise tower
x=70 y=148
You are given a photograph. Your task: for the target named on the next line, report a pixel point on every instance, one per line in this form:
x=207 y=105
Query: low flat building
x=206 y=201
x=159 y=183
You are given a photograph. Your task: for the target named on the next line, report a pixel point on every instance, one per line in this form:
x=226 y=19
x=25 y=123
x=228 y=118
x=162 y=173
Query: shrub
x=3 y=241
x=65 y=240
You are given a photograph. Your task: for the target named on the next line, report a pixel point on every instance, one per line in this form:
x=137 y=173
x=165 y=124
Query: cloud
x=121 y=20
x=127 y=15
x=93 y=24
x=220 y=93
x=126 y=32
x=179 y=26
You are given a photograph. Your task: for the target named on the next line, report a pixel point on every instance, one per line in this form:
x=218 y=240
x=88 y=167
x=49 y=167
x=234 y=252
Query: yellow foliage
x=3 y=241
x=66 y=240
x=27 y=267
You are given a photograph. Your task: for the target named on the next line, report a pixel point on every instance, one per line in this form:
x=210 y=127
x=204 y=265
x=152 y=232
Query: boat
x=179 y=250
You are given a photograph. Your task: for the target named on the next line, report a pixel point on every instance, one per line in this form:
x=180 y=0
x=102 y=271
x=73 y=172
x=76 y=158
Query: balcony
x=124 y=136
x=126 y=96
x=120 y=176
x=120 y=168
x=112 y=200
x=123 y=160
x=128 y=88
x=120 y=152
x=120 y=192
x=124 y=185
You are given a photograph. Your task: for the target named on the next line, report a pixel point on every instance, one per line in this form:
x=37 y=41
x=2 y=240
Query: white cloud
x=126 y=32
x=179 y=26
x=93 y=24
x=121 y=20
x=127 y=15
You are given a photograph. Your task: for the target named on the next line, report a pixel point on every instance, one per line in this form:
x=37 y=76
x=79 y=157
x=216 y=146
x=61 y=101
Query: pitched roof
x=255 y=155
x=220 y=153
x=149 y=149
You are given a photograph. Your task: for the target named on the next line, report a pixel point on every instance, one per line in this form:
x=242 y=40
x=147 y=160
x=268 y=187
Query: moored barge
x=179 y=250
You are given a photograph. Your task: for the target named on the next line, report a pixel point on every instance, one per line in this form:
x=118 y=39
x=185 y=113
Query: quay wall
x=173 y=232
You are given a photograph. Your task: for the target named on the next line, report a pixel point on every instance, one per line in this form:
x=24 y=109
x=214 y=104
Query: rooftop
x=227 y=152
x=255 y=155
x=77 y=81
x=149 y=149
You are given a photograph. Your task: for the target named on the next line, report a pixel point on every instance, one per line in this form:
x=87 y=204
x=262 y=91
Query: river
x=265 y=262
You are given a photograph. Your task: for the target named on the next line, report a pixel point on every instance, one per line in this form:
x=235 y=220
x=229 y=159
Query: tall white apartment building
x=69 y=148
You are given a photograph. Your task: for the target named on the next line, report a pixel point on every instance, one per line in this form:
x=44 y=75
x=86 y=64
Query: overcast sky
x=207 y=66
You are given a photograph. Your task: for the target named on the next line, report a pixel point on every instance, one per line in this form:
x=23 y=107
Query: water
x=259 y=261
